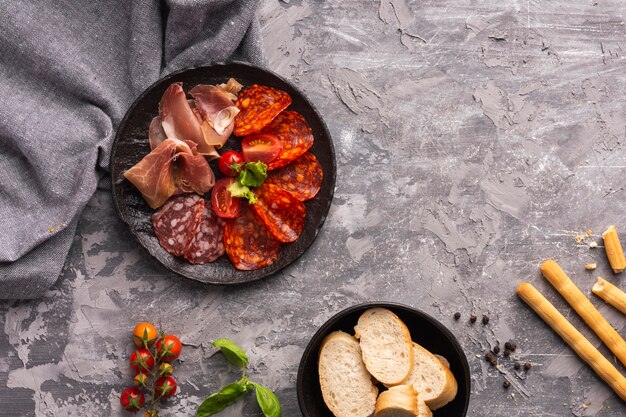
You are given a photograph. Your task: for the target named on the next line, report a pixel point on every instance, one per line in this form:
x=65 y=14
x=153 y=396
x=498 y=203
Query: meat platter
x=310 y=204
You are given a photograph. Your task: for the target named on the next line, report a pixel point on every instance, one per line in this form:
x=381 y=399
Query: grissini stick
x=573 y=338
x=579 y=302
x=613 y=248
x=610 y=293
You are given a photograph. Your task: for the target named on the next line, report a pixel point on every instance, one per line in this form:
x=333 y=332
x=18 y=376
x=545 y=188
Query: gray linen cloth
x=69 y=70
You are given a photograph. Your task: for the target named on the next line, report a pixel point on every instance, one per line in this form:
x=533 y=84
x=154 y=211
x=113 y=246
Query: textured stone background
x=474 y=140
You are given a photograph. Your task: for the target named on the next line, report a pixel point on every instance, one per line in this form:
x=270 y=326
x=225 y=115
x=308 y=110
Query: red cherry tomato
x=169 y=347
x=227 y=159
x=141 y=360
x=224 y=204
x=132 y=399
x=261 y=147
x=165 y=387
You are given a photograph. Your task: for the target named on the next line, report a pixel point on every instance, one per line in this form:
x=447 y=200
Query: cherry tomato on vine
x=145 y=332
x=141 y=379
x=261 y=147
x=227 y=159
x=224 y=204
x=168 y=347
x=165 y=387
x=141 y=360
x=166 y=369
x=132 y=399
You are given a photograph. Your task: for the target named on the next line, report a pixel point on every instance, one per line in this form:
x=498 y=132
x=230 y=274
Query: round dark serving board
x=131 y=145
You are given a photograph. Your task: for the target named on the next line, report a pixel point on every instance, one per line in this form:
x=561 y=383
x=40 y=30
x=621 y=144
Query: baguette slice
x=398 y=401
x=386 y=345
x=347 y=387
x=424 y=411
x=431 y=378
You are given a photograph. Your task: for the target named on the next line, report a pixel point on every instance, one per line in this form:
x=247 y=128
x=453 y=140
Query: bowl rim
x=328 y=324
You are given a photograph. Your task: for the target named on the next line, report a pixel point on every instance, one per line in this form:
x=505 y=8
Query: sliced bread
x=346 y=385
x=398 y=401
x=423 y=409
x=386 y=345
x=431 y=378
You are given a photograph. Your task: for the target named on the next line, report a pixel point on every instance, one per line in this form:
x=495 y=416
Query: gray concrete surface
x=474 y=140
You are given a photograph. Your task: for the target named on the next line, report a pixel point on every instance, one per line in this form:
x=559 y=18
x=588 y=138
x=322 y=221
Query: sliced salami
x=280 y=212
x=258 y=106
x=248 y=243
x=302 y=178
x=295 y=135
x=177 y=221
x=208 y=243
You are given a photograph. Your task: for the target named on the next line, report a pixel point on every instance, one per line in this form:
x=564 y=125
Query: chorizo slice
x=302 y=178
x=248 y=243
x=295 y=135
x=258 y=106
x=280 y=212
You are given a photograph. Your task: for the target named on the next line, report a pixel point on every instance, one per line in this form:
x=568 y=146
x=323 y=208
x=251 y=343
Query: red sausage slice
x=177 y=221
x=302 y=178
x=294 y=133
x=258 y=106
x=208 y=243
x=248 y=243
x=280 y=212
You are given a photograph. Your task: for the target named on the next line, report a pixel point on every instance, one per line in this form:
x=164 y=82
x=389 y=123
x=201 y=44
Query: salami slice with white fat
x=208 y=243
x=176 y=223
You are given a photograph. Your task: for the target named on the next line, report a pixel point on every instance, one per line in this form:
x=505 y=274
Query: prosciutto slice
x=177 y=117
x=172 y=164
x=156 y=134
x=216 y=106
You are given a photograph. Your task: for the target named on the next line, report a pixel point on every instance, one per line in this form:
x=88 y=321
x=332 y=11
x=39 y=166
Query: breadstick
x=610 y=293
x=614 y=250
x=573 y=338
x=564 y=285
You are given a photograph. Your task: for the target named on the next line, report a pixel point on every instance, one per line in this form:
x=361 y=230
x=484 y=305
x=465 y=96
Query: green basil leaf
x=241 y=191
x=220 y=400
x=267 y=401
x=253 y=174
x=233 y=353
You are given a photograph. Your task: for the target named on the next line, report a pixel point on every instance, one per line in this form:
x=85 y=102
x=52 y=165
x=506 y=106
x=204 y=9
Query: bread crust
x=398 y=401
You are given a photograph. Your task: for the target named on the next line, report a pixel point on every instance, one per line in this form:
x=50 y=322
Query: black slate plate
x=424 y=329
x=131 y=145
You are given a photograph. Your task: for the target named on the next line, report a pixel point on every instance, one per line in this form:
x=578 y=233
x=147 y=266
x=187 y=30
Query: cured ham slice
x=178 y=119
x=156 y=134
x=280 y=212
x=216 y=106
x=211 y=137
x=173 y=163
x=302 y=178
x=176 y=223
x=154 y=174
x=249 y=245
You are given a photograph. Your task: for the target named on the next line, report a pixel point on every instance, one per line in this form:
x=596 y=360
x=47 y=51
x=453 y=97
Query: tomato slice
x=261 y=147
x=224 y=204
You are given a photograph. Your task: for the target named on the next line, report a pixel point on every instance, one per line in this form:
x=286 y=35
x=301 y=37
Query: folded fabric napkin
x=69 y=70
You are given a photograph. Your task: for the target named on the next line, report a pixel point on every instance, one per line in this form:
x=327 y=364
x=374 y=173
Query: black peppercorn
x=485 y=319
x=506 y=384
x=496 y=349
x=513 y=347
x=473 y=318
x=527 y=366
x=457 y=315
x=507 y=346
x=517 y=366
x=489 y=356
x=507 y=353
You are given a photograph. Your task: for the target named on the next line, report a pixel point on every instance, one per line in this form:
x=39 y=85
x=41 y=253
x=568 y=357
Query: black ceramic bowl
x=424 y=329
